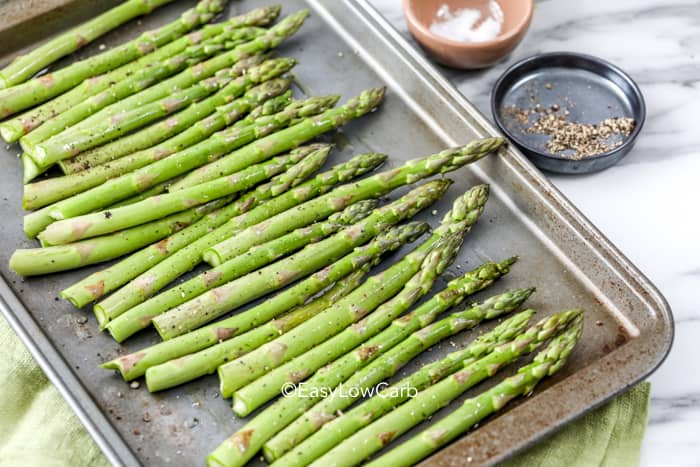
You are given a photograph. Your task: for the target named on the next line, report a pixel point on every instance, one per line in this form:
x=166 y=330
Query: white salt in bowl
x=458 y=45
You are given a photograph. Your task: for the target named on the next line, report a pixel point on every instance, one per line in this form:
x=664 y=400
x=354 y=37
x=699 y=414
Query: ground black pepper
x=568 y=138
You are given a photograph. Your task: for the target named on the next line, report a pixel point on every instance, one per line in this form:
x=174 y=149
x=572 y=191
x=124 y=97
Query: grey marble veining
x=649 y=205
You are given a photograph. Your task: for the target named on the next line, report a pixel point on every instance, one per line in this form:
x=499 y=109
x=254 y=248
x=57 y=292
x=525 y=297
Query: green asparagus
x=182 y=80
x=133 y=84
x=409 y=337
x=77 y=138
x=177 y=134
x=297 y=134
x=134 y=365
x=190 y=367
x=55 y=189
x=100 y=283
x=382 y=183
x=334 y=431
x=151 y=136
x=165 y=169
x=271 y=106
x=378 y=434
x=270 y=384
x=245 y=443
x=140 y=316
x=156 y=207
x=38 y=90
x=472 y=411
x=12 y=130
x=36 y=261
x=176 y=164
x=24 y=66
x=260 y=375
x=153 y=191
x=181 y=262
x=230 y=296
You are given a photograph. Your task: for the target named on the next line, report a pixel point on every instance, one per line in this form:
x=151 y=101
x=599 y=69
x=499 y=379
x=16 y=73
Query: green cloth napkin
x=37 y=428
x=610 y=436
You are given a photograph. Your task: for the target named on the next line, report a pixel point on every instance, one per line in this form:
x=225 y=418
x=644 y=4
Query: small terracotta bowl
x=420 y=14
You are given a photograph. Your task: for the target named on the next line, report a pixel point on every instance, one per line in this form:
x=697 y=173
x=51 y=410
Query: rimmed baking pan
x=345 y=47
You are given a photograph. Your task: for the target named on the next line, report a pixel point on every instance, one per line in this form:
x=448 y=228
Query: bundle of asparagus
x=134 y=365
x=24 y=67
x=184 y=146
x=546 y=363
x=61 y=146
x=412 y=340
x=13 y=129
x=260 y=368
x=379 y=433
x=267 y=98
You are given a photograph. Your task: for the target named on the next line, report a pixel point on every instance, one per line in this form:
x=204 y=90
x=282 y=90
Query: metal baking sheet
x=345 y=47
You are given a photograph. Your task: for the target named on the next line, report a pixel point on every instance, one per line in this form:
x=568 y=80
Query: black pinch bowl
x=595 y=89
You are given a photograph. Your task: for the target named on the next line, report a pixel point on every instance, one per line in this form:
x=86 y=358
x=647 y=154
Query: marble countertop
x=648 y=205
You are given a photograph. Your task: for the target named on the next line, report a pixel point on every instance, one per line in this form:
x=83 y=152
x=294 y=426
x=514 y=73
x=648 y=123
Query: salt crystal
x=468 y=24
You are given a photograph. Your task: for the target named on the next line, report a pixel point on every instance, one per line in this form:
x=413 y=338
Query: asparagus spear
x=72 y=141
x=134 y=365
x=150 y=136
x=445 y=161
x=377 y=435
x=301 y=132
x=192 y=366
x=135 y=83
x=12 y=130
x=259 y=376
x=140 y=316
x=153 y=191
x=37 y=261
x=156 y=207
x=24 y=66
x=377 y=185
x=243 y=444
x=401 y=345
x=473 y=410
x=336 y=430
x=233 y=113
x=130 y=184
x=134 y=293
x=40 y=194
x=98 y=284
x=178 y=163
x=77 y=139
x=224 y=298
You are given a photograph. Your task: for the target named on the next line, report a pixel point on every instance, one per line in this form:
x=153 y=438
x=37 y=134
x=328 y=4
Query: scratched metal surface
x=343 y=48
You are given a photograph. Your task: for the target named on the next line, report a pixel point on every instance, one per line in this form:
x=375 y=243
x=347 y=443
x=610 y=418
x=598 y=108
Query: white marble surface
x=649 y=205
